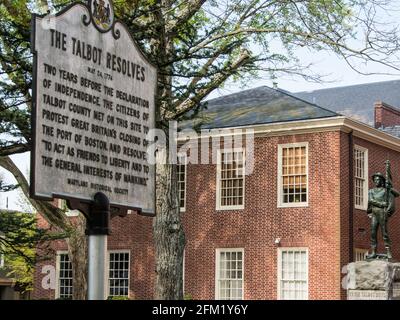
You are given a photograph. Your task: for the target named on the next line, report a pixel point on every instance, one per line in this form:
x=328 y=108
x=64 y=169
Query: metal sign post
x=97 y=268
x=98 y=230
x=93 y=107
x=98 y=214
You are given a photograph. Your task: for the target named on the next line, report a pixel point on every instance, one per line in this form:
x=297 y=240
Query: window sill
x=229 y=208
x=360 y=208
x=293 y=205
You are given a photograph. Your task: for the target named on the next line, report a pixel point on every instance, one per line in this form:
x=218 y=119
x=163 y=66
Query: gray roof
x=356 y=101
x=256 y=106
x=394 y=131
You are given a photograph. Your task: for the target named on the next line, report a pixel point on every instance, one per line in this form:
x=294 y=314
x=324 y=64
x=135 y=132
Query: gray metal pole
x=97 y=267
x=97 y=228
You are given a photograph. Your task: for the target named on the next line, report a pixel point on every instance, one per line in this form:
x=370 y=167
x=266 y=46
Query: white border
x=217 y=262
x=279 y=269
x=218 y=206
x=366 y=178
x=279 y=191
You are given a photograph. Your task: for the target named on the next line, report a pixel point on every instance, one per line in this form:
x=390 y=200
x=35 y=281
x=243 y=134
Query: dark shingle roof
x=357 y=100
x=394 y=131
x=256 y=106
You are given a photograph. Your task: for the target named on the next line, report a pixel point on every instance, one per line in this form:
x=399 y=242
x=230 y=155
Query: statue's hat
x=378 y=174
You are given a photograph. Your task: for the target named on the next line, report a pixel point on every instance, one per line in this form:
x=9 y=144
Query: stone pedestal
x=373 y=280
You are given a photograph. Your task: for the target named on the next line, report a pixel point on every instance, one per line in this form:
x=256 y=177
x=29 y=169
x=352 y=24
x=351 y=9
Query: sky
x=337 y=74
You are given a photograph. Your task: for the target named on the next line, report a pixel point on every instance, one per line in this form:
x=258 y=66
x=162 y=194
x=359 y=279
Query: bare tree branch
x=14 y=149
x=214 y=83
x=52 y=214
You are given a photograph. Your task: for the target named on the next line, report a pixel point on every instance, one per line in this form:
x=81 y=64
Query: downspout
x=351 y=195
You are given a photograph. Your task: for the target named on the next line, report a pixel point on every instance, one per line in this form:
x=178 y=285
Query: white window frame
x=281 y=204
x=184 y=155
x=218 y=183
x=58 y=264
x=217 y=270
x=358 y=252
x=279 y=276
x=365 y=195
x=107 y=276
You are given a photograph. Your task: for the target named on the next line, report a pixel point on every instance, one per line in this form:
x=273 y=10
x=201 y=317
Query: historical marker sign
x=93 y=106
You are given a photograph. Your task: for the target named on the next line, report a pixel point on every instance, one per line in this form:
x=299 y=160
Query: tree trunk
x=78 y=254
x=77 y=242
x=168 y=233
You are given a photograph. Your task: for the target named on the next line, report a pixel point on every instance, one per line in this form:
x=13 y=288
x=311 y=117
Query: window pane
x=231 y=178
x=360 y=177
x=181 y=173
x=118 y=274
x=293 y=276
x=230 y=275
x=65 y=277
x=294 y=178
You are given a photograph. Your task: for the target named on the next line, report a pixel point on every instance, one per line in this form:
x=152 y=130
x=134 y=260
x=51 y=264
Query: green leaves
x=192 y=42
x=20 y=240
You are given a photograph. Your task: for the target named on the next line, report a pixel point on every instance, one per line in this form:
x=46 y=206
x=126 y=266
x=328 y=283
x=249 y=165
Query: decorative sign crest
x=93 y=107
x=102 y=13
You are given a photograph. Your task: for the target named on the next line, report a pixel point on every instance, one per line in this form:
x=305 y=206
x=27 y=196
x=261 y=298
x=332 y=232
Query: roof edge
x=339 y=123
x=348 y=86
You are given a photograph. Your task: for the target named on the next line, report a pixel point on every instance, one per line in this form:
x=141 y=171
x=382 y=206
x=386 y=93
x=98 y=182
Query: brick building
x=286 y=230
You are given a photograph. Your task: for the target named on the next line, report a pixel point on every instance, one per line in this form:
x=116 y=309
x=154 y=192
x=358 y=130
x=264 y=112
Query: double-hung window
x=181 y=173
x=118 y=274
x=230 y=179
x=64 y=276
x=292 y=274
x=293 y=175
x=229 y=274
x=360 y=178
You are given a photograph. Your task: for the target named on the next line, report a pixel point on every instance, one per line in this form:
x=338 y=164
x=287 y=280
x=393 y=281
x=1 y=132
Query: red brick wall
x=323 y=227
x=131 y=233
x=257 y=226
x=386 y=115
x=345 y=205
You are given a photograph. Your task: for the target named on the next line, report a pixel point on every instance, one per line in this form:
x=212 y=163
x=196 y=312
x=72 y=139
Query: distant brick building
x=283 y=232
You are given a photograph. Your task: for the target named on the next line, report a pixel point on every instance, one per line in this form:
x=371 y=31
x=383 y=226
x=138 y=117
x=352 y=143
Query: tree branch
x=215 y=82
x=14 y=149
x=53 y=215
x=191 y=8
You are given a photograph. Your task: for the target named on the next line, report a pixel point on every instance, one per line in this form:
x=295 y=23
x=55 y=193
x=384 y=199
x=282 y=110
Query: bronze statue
x=381 y=206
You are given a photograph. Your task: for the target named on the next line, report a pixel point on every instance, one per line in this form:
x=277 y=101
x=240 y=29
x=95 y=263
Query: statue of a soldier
x=381 y=206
